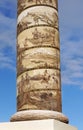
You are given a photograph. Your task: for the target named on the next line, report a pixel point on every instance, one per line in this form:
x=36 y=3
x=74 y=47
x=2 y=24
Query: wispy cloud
x=7 y=33
x=8 y=8
x=7 y=62
x=71 y=36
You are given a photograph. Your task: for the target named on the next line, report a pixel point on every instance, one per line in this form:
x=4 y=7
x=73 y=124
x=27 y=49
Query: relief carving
x=39 y=58
x=23 y=4
x=42 y=100
x=38 y=37
x=43 y=79
x=41 y=16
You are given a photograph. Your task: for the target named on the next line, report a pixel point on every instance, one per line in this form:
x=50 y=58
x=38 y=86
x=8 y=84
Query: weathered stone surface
x=38 y=61
x=23 y=4
x=37 y=36
x=34 y=16
x=39 y=115
x=42 y=100
x=38 y=56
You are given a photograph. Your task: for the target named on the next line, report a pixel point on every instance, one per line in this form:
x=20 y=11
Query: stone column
x=38 y=61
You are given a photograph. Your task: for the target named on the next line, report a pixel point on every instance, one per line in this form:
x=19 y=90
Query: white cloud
x=8 y=6
x=72 y=64
x=71 y=37
x=7 y=34
x=7 y=61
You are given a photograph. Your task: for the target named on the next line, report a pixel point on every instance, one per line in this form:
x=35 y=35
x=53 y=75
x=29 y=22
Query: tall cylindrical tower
x=38 y=61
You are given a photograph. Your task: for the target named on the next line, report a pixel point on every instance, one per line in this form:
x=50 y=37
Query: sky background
x=71 y=45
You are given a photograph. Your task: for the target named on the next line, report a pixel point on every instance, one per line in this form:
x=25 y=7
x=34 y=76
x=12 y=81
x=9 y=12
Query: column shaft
x=38 y=57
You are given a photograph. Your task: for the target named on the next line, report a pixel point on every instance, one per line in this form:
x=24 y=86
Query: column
x=38 y=61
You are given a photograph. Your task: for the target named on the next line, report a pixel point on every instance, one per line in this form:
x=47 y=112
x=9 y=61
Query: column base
x=38 y=115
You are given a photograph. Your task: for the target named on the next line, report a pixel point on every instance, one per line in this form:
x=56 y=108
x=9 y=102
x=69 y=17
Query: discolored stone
x=38 y=61
x=40 y=99
x=23 y=4
x=39 y=115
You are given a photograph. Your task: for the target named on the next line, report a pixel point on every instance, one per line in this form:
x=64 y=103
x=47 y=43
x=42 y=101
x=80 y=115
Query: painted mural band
x=39 y=100
x=23 y=4
x=37 y=16
x=37 y=58
x=38 y=37
x=41 y=79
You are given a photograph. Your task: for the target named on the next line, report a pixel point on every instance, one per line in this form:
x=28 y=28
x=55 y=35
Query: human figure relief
x=25 y=42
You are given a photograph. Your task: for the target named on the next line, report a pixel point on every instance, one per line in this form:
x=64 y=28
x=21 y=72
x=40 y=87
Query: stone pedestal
x=49 y=124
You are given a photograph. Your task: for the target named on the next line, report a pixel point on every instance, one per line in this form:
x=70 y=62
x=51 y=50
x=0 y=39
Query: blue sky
x=71 y=40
